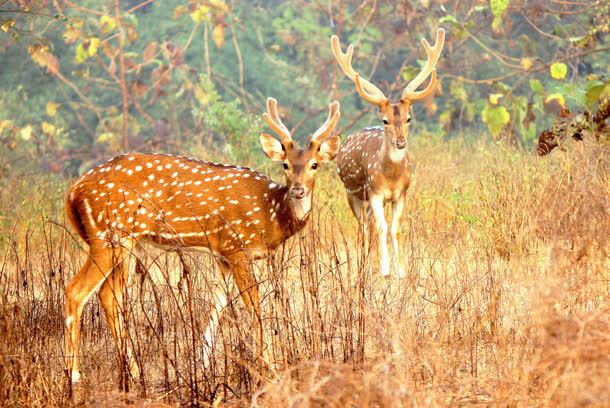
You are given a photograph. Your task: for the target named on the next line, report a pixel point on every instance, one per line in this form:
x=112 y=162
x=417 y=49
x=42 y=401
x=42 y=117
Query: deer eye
x=314 y=166
x=386 y=122
x=285 y=166
x=409 y=120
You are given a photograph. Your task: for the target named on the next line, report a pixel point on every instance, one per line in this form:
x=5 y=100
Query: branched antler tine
x=367 y=90
x=331 y=122
x=374 y=99
x=418 y=95
x=432 y=53
x=275 y=123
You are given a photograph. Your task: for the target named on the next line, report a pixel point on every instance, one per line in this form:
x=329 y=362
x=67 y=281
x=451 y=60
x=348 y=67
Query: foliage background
x=82 y=81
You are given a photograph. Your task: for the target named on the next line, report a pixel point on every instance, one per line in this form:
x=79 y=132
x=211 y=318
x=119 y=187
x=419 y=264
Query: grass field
x=505 y=300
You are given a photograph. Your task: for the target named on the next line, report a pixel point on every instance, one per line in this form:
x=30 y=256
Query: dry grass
x=505 y=300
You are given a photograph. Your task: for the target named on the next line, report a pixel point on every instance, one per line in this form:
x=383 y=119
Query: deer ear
x=329 y=148
x=272 y=147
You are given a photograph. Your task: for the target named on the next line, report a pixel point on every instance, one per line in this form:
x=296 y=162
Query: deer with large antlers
x=235 y=213
x=374 y=163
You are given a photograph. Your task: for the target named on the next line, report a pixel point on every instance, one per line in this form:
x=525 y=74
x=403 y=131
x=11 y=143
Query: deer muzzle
x=298 y=192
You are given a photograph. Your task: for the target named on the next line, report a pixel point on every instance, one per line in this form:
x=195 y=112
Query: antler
x=433 y=53
x=275 y=123
x=331 y=122
x=367 y=90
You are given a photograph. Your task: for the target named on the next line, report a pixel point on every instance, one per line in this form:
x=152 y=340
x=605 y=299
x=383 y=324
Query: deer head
x=395 y=116
x=300 y=165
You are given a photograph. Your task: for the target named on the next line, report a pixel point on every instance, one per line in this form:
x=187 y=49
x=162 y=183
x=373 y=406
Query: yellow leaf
x=495 y=98
x=39 y=54
x=92 y=46
x=26 y=133
x=559 y=70
x=218 y=35
x=7 y=24
x=107 y=24
x=526 y=63
x=48 y=128
x=556 y=99
x=200 y=14
x=132 y=34
x=5 y=124
x=202 y=97
x=106 y=137
x=52 y=108
x=71 y=35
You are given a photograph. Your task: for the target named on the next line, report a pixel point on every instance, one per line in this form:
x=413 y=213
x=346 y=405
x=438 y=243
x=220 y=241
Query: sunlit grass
x=504 y=302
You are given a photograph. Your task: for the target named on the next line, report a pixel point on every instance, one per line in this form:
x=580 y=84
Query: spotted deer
x=374 y=163
x=235 y=213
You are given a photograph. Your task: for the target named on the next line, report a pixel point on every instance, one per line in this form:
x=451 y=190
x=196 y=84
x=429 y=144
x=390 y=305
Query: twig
x=535 y=27
x=84 y=9
x=520 y=71
x=206 y=50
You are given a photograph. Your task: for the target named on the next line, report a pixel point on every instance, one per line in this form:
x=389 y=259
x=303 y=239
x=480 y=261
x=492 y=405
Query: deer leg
x=90 y=277
x=111 y=297
x=397 y=210
x=358 y=207
x=222 y=292
x=248 y=289
x=382 y=230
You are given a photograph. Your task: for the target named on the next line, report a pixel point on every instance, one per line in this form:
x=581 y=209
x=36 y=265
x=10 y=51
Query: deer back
x=173 y=200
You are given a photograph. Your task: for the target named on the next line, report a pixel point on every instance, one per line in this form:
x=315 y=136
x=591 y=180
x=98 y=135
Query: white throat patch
x=301 y=207
x=397 y=155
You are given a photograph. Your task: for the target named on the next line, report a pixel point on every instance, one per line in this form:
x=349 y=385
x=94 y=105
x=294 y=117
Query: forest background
x=75 y=90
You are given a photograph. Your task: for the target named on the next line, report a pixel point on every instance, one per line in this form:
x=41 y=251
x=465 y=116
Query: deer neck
x=391 y=156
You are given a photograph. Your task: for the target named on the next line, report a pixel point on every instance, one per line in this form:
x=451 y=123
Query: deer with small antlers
x=374 y=163
x=235 y=213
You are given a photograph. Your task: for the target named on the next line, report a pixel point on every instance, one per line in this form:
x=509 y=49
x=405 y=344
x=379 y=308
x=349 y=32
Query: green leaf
x=106 y=137
x=559 y=70
x=496 y=117
x=498 y=7
x=536 y=86
x=456 y=89
x=448 y=19
x=594 y=94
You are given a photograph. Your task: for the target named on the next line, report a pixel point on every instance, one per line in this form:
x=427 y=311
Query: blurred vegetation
x=82 y=81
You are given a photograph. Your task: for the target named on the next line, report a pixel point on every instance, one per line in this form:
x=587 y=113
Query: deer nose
x=298 y=192
x=401 y=143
